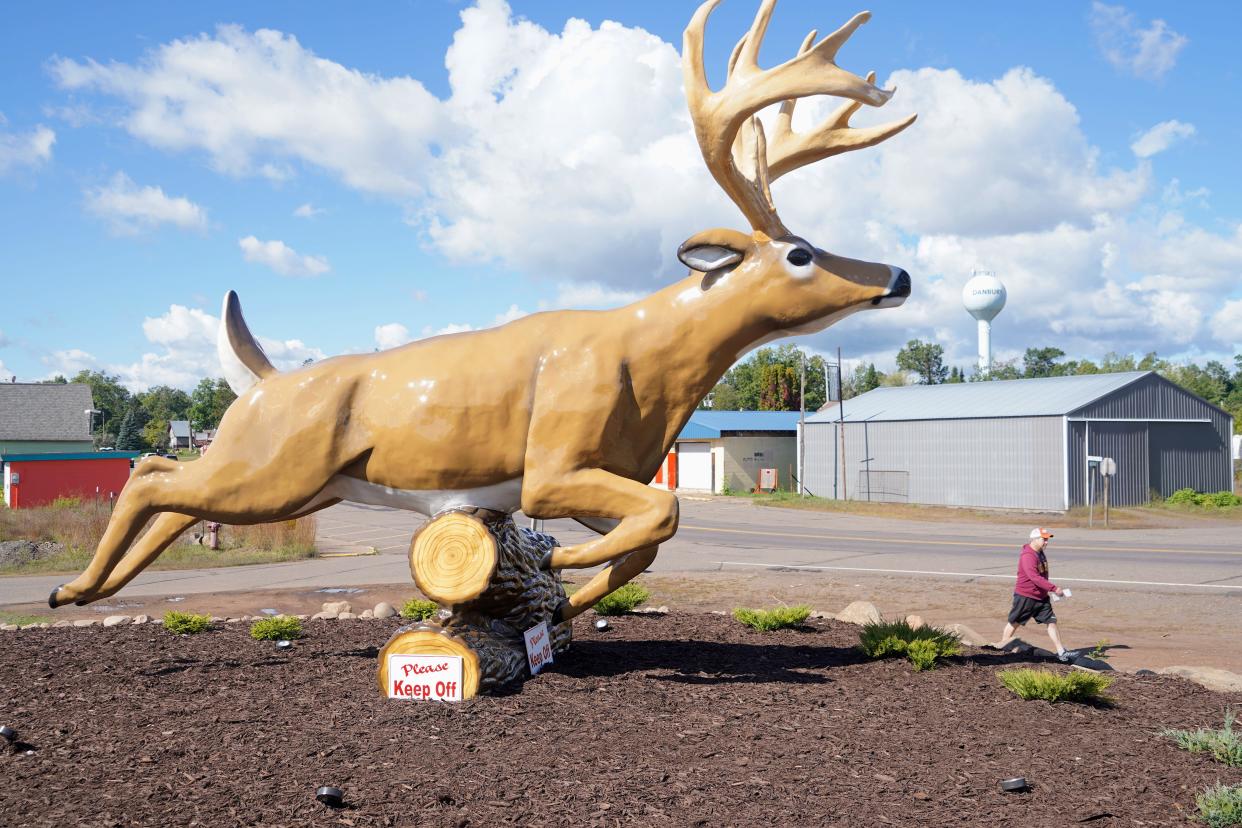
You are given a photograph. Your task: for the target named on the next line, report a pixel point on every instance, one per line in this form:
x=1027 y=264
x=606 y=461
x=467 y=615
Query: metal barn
x=1019 y=444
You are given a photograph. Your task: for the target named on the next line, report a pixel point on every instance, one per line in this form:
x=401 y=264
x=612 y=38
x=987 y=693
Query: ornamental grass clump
x=1223 y=745
x=923 y=646
x=1220 y=806
x=186 y=623
x=419 y=610
x=278 y=628
x=1077 y=686
x=773 y=619
x=622 y=600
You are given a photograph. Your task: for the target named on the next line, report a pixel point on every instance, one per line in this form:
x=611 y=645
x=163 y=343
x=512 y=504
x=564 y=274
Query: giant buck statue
x=562 y=414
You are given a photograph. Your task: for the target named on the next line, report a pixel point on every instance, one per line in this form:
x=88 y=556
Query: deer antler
x=731 y=137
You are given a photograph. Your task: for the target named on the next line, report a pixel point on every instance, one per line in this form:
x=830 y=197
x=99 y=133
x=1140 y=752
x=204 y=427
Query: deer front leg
x=646 y=516
x=610 y=579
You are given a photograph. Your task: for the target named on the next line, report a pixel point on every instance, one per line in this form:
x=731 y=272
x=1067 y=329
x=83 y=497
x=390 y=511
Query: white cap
x=1040 y=533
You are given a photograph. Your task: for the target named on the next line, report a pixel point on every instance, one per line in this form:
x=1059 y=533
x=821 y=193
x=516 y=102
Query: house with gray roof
x=1031 y=444
x=45 y=419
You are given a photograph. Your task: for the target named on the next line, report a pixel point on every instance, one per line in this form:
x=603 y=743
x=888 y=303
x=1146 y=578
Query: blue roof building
x=728 y=450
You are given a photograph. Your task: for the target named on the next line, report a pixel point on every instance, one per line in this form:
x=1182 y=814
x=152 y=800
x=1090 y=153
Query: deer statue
x=560 y=414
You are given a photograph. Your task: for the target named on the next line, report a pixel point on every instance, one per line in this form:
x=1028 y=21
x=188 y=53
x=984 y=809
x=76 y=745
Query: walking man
x=1030 y=593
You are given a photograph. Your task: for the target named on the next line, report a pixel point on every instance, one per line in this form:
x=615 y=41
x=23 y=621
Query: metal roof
x=72 y=455
x=180 y=428
x=705 y=425
x=37 y=411
x=1044 y=397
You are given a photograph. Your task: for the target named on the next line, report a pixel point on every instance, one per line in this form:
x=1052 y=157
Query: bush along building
x=1020 y=444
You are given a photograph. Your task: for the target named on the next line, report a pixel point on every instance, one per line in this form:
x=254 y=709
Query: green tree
x=956 y=375
x=1042 y=362
x=742 y=387
x=1007 y=370
x=208 y=402
x=862 y=380
x=110 y=397
x=924 y=359
x=779 y=388
x=163 y=404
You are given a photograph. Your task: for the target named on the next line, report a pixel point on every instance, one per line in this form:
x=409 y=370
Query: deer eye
x=798 y=257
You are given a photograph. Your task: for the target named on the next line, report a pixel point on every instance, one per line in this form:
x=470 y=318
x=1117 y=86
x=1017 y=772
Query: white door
x=694 y=466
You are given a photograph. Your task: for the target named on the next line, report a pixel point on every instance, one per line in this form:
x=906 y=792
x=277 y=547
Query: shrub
x=1184 y=497
x=186 y=623
x=1222 y=500
x=622 y=600
x=1214 y=500
x=773 y=619
x=1077 y=686
x=921 y=645
x=1220 y=806
x=1222 y=745
x=275 y=629
x=418 y=609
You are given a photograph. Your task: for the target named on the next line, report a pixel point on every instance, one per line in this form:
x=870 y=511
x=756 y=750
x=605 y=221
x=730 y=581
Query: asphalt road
x=736 y=536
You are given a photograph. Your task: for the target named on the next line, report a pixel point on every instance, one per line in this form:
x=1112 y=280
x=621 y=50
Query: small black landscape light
x=8 y=734
x=332 y=797
x=1015 y=785
x=283 y=644
x=602 y=625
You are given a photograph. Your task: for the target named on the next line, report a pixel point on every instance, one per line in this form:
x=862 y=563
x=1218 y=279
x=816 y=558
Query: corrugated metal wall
x=1126 y=443
x=1015 y=463
x=1160 y=457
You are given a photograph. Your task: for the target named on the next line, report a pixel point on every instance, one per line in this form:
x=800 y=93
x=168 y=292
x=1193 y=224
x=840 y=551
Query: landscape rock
x=346 y=616
x=217 y=619
x=86 y=622
x=115 y=620
x=336 y=607
x=366 y=613
x=1210 y=677
x=301 y=617
x=1018 y=647
x=8 y=627
x=969 y=637
x=1145 y=672
x=915 y=621
x=324 y=616
x=859 y=612
x=141 y=619
x=1095 y=665
x=384 y=610
x=65 y=622
x=825 y=615
x=232 y=620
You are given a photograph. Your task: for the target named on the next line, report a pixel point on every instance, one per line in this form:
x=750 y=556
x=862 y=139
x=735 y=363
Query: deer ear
x=713 y=249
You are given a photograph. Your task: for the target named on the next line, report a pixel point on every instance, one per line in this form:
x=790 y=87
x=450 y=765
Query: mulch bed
x=676 y=720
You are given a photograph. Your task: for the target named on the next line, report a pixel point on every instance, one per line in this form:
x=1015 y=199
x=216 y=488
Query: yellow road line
x=923 y=542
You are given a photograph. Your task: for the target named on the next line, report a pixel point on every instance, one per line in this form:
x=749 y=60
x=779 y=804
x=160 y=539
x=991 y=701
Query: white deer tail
x=241 y=357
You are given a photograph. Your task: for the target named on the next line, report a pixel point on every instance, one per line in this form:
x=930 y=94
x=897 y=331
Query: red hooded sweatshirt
x=1033 y=575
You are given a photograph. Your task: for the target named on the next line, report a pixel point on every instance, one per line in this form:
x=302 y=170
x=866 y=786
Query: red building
x=38 y=479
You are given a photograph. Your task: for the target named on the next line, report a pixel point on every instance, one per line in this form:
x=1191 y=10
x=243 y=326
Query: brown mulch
x=677 y=720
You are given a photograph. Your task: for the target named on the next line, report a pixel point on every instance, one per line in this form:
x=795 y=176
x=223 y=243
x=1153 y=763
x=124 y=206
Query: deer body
x=561 y=414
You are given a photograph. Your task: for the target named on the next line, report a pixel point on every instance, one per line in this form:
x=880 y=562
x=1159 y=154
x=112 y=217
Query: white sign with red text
x=424 y=677
x=538 y=647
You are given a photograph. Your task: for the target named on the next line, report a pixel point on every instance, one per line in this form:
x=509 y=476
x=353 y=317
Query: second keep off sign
x=424 y=677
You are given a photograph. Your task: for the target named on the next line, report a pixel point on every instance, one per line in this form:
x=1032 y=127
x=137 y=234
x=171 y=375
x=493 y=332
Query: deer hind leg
x=192 y=490
x=611 y=578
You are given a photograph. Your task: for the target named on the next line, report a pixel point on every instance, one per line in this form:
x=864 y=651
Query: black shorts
x=1025 y=609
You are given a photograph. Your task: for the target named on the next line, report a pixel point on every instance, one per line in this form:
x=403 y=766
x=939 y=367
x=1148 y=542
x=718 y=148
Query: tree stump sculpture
x=485 y=574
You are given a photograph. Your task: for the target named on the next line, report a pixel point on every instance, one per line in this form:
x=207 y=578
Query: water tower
x=984 y=296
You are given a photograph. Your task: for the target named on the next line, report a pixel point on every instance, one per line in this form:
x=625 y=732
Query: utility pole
x=802 y=428
x=845 y=495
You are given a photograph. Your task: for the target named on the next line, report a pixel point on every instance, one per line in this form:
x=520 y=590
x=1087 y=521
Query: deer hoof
x=51 y=599
x=558 y=614
x=545 y=562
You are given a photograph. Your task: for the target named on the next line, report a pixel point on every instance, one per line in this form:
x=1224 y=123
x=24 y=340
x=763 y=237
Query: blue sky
x=366 y=176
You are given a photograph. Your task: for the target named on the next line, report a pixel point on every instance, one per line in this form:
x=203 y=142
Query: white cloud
x=282 y=258
x=186 y=351
x=392 y=335
x=590 y=296
x=1160 y=137
x=308 y=210
x=129 y=209
x=28 y=149
x=1144 y=52
x=1227 y=324
x=256 y=101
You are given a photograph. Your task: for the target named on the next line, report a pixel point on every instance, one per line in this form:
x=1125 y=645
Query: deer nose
x=901 y=285
x=898 y=290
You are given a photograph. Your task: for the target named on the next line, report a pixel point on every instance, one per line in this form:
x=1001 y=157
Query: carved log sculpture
x=486 y=616
x=560 y=414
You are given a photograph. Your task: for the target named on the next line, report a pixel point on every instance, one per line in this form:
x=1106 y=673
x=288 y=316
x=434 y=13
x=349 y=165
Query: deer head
x=800 y=288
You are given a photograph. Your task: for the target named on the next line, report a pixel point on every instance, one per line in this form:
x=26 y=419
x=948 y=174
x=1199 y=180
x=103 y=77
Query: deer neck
x=687 y=336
